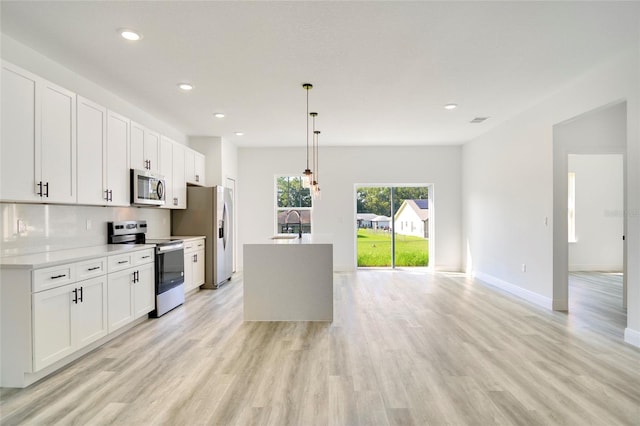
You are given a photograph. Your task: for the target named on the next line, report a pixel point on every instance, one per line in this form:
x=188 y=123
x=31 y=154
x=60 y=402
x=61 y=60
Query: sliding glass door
x=392 y=226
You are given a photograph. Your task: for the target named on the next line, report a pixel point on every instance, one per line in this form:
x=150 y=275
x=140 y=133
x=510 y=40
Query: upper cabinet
x=194 y=167
x=145 y=148
x=166 y=169
x=103 y=170
x=92 y=137
x=38 y=139
x=59 y=147
x=179 y=200
x=117 y=160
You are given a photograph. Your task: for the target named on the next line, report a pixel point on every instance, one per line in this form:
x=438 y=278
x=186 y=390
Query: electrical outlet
x=22 y=226
x=524 y=267
x=89 y=224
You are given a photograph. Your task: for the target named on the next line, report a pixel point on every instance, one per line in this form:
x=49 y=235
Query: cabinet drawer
x=55 y=276
x=120 y=262
x=193 y=246
x=91 y=268
x=143 y=256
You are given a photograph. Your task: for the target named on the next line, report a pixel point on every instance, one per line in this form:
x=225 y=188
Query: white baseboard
x=595 y=267
x=525 y=294
x=632 y=337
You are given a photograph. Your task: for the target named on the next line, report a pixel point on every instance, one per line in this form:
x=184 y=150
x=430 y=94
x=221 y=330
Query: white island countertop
x=59 y=257
x=294 y=239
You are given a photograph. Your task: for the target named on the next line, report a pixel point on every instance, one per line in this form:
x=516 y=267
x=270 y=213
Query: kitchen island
x=288 y=278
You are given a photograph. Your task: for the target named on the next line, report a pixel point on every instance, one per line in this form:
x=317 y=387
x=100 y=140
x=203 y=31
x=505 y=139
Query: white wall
x=508 y=187
x=341 y=169
x=32 y=61
x=599 y=213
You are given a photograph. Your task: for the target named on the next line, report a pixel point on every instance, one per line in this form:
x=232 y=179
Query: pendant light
x=316 y=185
x=307 y=175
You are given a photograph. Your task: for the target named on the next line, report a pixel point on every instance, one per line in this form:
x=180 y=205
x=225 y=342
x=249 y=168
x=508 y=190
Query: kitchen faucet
x=286 y=221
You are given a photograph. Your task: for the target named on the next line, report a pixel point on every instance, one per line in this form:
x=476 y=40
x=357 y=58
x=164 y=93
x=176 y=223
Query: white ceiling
x=382 y=71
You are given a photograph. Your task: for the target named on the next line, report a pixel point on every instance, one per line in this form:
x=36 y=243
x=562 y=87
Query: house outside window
x=293 y=206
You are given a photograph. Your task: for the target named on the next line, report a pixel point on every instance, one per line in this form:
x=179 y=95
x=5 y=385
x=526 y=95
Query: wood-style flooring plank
x=405 y=348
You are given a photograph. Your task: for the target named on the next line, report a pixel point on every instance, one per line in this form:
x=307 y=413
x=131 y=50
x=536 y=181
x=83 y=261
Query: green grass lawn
x=374 y=249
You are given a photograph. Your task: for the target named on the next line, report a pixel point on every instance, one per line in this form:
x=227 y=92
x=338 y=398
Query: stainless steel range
x=169 y=262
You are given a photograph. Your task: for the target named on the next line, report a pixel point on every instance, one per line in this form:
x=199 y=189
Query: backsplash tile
x=55 y=227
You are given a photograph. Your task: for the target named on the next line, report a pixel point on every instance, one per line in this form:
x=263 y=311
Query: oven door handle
x=170 y=247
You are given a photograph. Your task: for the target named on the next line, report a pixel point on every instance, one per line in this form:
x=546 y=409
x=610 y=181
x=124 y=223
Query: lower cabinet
x=131 y=295
x=193 y=264
x=68 y=318
x=52 y=315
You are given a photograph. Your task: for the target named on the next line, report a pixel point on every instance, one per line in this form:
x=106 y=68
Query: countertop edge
x=61 y=257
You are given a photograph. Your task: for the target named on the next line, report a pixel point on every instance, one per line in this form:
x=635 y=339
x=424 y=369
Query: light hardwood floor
x=405 y=347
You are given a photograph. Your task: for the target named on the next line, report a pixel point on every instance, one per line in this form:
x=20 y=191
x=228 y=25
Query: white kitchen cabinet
x=38 y=155
x=144 y=149
x=58 y=144
x=199 y=161
x=166 y=170
x=131 y=290
x=117 y=160
x=68 y=318
x=103 y=168
x=92 y=136
x=179 y=199
x=193 y=264
x=20 y=135
x=194 y=164
x=52 y=313
x=144 y=291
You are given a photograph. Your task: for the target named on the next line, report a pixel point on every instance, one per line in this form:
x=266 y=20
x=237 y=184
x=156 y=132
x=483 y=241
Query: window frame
x=277 y=209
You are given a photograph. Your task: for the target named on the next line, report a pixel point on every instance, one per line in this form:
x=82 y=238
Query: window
x=572 y=207
x=293 y=206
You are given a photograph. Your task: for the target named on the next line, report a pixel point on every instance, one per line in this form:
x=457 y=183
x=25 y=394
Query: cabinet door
x=136 y=147
x=144 y=291
x=166 y=169
x=117 y=159
x=190 y=165
x=52 y=332
x=199 y=168
x=19 y=171
x=58 y=144
x=120 y=299
x=179 y=199
x=92 y=132
x=151 y=150
x=198 y=268
x=89 y=315
x=188 y=272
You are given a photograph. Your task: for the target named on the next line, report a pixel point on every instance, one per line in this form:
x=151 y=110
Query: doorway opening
x=589 y=224
x=393 y=225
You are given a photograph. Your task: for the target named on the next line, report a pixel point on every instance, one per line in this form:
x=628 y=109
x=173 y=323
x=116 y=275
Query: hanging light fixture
x=316 y=185
x=314 y=157
x=307 y=174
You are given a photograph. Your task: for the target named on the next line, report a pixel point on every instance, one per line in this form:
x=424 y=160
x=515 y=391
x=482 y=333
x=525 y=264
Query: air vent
x=478 y=119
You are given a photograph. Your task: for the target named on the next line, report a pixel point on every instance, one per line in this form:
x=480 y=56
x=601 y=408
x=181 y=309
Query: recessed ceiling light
x=239 y=134
x=130 y=34
x=451 y=106
x=218 y=115
x=185 y=86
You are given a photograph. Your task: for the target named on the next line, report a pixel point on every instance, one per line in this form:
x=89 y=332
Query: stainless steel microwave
x=147 y=189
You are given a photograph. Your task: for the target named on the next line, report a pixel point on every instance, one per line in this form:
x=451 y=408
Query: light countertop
x=306 y=239
x=59 y=257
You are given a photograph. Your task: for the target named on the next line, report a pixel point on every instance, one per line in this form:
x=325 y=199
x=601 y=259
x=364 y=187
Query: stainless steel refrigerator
x=210 y=213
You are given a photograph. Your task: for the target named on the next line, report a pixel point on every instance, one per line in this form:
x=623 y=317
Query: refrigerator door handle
x=223 y=229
